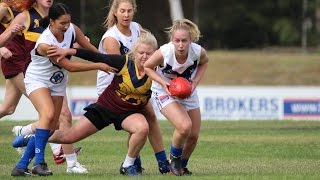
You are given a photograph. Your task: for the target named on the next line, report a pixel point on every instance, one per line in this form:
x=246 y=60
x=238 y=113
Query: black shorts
x=101 y=117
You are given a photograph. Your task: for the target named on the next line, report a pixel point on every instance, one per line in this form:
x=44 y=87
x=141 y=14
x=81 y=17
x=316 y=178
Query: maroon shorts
x=13 y=66
x=17 y=62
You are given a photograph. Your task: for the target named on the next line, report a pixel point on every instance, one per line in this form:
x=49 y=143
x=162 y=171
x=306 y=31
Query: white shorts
x=162 y=99
x=55 y=89
x=103 y=81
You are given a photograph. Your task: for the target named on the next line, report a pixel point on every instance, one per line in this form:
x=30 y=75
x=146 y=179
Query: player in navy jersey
x=122 y=33
x=181 y=57
x=123 y=103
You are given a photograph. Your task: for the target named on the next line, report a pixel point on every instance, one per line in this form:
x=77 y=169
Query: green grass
x=226 y=150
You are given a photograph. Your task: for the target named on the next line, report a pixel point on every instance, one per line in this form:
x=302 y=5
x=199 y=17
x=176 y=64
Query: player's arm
x=71 y=66
x=114 y=60
x=203 y=64
x=82 y=40
x=3 y=11
x=17 y=25
x=111 y=45
x=156 y=59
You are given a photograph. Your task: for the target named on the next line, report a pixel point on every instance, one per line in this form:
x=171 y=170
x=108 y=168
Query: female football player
x=123 y=103
x=46 y=77
x=20 y=36
x=120 y=37
x=181 y=57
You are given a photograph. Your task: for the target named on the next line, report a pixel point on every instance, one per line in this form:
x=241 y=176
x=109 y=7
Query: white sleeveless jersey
x=171 y=68
x=42 y=68
x=125 y=43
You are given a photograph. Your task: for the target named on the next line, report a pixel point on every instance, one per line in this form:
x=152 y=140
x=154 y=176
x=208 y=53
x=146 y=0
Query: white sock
x=26 y=130
x=71 y=159
x=129 y=161
x=55 y=148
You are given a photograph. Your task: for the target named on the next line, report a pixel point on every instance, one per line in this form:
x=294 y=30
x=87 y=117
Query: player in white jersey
x=46 y=79
x=123 y=42
x=181 y=57
x=122 y=33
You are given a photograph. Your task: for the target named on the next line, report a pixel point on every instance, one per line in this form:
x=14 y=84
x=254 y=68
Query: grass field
x=226 y=150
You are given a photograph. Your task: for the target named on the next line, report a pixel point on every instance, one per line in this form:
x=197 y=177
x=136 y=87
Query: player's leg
x=138 y=127
x=11 y=98
x=181 y=121
x=21 y=169
x=156 y=140
x=49 y=108
x=65 y=123
x=192 y=140
x=80 y=130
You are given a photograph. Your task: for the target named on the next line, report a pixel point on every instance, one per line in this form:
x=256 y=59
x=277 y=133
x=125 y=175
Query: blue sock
x=184 y=163
x=137 y=162
x=161 y=156
x=176 y=152
x=28 y=155
x=42 y=136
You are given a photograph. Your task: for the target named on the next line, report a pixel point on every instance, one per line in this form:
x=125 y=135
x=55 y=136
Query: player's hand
x=165 y=86
x=106 y=68
x=193 y=85
x=16 y=28
x=5 y=52
x=58 y=53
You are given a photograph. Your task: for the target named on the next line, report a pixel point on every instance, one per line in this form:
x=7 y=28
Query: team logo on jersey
x=123 y=49
x=57 y=77
x=36 y=23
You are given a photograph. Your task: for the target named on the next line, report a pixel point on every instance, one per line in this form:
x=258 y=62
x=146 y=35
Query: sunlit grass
x=226 y=150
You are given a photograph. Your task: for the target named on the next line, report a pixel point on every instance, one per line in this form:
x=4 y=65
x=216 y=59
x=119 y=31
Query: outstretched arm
x=114 y=60
x=73 y=66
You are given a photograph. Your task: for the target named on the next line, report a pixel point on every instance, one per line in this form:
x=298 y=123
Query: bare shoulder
x=203 y=57
x=3 y=6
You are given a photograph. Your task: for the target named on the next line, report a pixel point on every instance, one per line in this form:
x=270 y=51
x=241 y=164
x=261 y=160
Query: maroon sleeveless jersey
x=16 y=63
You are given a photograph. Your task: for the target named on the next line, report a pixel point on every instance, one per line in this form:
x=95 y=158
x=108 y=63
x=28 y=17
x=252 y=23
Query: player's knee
x=143 y=130
x=185 y=128
x=48 y=115
x=7 y=111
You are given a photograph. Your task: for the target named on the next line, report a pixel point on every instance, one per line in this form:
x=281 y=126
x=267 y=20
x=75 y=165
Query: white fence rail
x=216 y=103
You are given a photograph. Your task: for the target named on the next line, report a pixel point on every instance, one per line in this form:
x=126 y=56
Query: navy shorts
x=101 y=117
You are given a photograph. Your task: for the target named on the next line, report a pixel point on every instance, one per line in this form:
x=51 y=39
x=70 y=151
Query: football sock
x=184 y=163
x=55 y=148
x=42 y=136
x=161 y=156
x=26 y=130
x=71 y=159
x=28 y=155
x=176 y=152
x=129 y=161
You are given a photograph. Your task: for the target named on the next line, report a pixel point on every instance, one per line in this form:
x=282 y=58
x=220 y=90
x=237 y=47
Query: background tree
x=224 y=24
